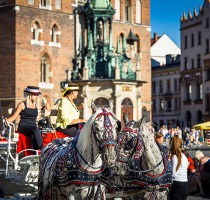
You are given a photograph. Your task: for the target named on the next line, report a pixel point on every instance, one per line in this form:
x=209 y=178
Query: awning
x=202 y=126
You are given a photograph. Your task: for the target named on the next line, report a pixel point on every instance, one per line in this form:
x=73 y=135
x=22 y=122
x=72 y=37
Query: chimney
x=155 y=37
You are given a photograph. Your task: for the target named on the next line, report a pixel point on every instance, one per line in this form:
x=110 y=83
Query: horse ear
x=93 y=106
x=125 y=118
x=139 y=122
x=111 y=105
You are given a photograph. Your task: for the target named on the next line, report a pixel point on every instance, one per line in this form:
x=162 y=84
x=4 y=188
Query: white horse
x=143 y=171
x=72 y=169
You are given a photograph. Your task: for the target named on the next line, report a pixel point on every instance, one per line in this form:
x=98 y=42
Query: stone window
x=168 y=85
x=198 y=60
x=208 y=74
x=185 y=63
x=192 y=40
x=58 y=4
x=45 y=4
x=189 y=92
x=138 y=11
x=45 y=69
x=161 y=86
x=117 y=7
x=207 y=102
x=207 y=45
x=30 y=2
x=55 y=36
x=176 y=103
x=199 y=38
x=161 y=104
x=36 y=31
x=199 y=91
x=175 y=85
x=128 y=11
x=185 y=42
x=36 y=34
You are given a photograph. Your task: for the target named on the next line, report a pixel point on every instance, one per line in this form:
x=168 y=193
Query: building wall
x=192 y=75
x=21 y=60
x=166 y=116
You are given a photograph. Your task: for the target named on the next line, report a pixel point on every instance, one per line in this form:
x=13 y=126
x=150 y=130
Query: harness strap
x=75 y=147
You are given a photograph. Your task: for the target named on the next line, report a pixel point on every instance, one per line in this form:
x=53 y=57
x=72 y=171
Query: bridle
x=108 y=139
x=137 y=149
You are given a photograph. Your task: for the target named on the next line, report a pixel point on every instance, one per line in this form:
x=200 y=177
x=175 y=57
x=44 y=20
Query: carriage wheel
x=1 y=193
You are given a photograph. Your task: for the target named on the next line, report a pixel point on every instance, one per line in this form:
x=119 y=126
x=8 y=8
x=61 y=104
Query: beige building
x=195 y=65
x=166 y=99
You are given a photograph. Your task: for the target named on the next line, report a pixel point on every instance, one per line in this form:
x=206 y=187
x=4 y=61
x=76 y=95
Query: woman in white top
x=179 y=163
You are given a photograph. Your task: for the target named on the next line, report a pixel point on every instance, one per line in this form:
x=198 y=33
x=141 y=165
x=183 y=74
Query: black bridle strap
x=85 y=161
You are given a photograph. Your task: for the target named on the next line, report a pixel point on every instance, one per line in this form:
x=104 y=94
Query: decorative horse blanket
x=61 y=158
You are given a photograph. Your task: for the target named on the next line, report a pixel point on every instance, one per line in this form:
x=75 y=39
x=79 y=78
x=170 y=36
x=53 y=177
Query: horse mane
x=84 y=136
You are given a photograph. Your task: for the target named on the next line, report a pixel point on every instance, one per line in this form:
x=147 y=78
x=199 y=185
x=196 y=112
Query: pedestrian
x=179 y=163
x=28 y=111
x=202 y=173
x=68 y=121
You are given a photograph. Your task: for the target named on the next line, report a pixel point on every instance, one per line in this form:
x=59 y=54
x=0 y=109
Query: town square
x=98 y=100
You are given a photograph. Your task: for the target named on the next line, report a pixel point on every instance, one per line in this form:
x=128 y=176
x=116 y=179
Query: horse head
x=138 y=149
x=130 y=145
x=104 y=128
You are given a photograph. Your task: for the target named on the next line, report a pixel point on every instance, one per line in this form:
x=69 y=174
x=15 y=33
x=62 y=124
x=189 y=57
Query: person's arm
x=19 y=108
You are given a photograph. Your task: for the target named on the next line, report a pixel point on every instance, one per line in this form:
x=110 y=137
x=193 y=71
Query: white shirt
x=181 y=174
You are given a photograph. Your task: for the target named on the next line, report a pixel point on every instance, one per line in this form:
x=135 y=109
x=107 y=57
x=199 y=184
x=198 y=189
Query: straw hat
x=71 y=87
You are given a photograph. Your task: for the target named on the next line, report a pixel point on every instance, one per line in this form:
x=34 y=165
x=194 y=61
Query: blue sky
x=165 y=16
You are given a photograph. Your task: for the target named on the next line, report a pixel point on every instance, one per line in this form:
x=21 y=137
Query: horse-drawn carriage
x=19 y=162
x=100 y=162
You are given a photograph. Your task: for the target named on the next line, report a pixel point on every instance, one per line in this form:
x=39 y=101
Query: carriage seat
x=24 y=143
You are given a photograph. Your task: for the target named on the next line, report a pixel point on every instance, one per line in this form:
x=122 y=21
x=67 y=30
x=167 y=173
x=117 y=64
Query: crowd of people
x=189 y=174
x=190 y=137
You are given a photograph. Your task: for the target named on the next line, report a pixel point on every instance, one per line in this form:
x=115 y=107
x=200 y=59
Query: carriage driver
x=68 y=121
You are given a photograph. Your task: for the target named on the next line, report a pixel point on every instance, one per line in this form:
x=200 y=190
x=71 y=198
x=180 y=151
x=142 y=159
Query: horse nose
x=109 y=159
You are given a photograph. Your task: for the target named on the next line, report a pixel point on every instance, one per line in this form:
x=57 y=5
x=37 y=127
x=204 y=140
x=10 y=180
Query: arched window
x=36 y=31
x=54 y=32
x=101 y=102
x=138 y=11
x=128 y=11
x=199 y=91
x=189 y=92
x=55 y=37
x=188 y=118
x=117 y=7
x=45 y=74
x=199 y=117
